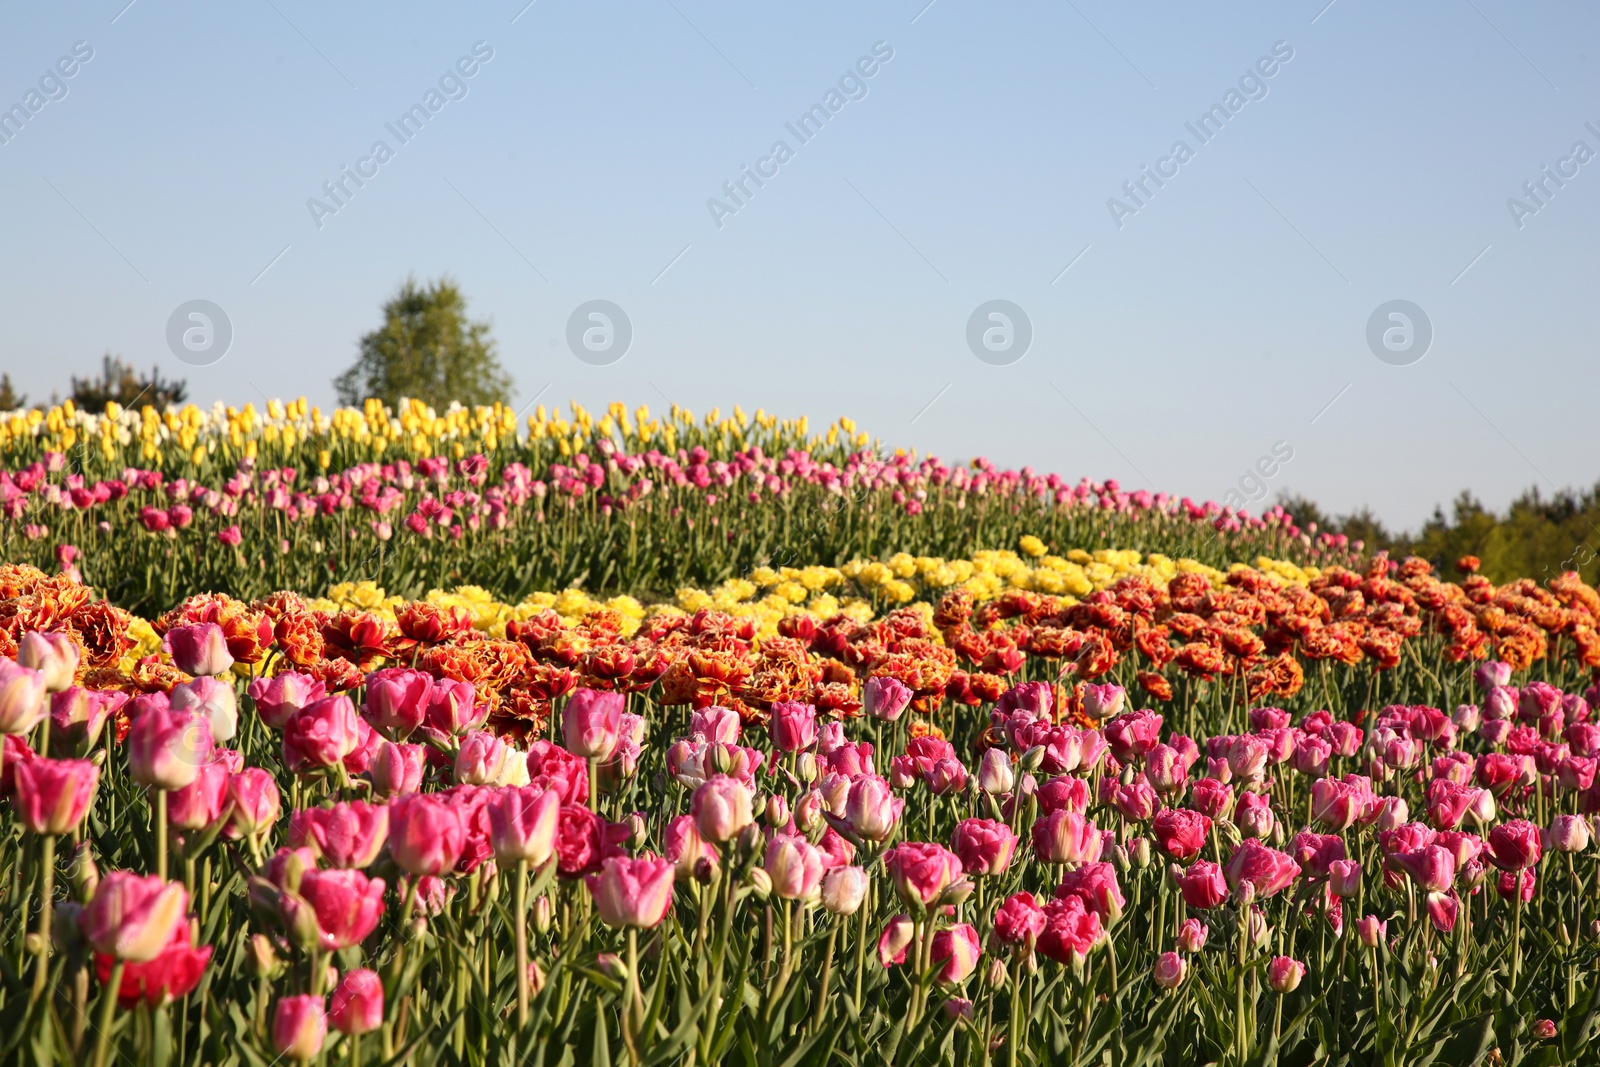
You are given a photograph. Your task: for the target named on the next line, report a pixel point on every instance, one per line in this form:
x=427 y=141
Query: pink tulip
x=1066 y=837
x=22 y=698
x=212 y=698
x=132 y=917
x=1212 y=797
x=682 y=844
x=1371 y=930
x=1133 y=734
x=956 y=951
x=1284 y=974
x=357 y=1006
x=1170 y=969
x=299 y=1026
x=320 y=735
x=1344 y=878
x=1443 y=910
x=425 y=834
x=1166 y=770
x=1254 y=816
x=1510 y=883
x=397 y=701
x=523 y=823
x=453 y=709
x=1096 y=885
x=1203 y=885
x=1064 y=793
x=715 y=723
x=984 y=845
x=1515 y=845
x=346 y=903
x=199 y=649
x=1267 y=871
x=1432 y=867
x=53 y=655
x=591 y=723
x=793 y=726
x=253 y=801
x=348 y=835
x=1070 y=931
x=1101 y=702
x=632 y=892
x=795 y=867
x=995 y=775
x=921 y=872
x=481 y=759
x=871 y=810
x=895 y=939
x=201 y=802
x=1019 y=919
x=722 y=807
x=1569 y=833
x=1180 y=833
x=51 y=796
x=1492 y=674
x=1192 y=935
x=844 y=888
x=78 y=715
x=166 y=749
x=279 y=697
x=396 y=769
x=884 y=698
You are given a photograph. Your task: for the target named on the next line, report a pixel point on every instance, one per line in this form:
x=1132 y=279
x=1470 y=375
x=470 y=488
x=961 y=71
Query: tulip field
x=404 y=738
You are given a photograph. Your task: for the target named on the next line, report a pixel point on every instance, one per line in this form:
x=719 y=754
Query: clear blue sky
x=1221 y=318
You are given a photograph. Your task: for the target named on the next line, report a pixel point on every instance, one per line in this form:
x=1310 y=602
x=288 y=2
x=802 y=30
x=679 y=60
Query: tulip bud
x=997 y=972
x=1259 y=932
x=1544 y=1030
x=1569 y=833
x=1371 y=930
x=536 y=977
x=264 y=962
x=1284 y=974
x=299 y=1026
x=1170 y=969
x=777 y=812
x=1139 y=852
x=1032 y=759
x=995 y=775
x=611 y=965
x=805 y=767
x=543 y=914
x=84 y=873
x=760 y=882
x=957 y=893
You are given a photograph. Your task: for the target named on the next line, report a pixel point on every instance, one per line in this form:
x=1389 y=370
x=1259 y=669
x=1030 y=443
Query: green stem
x=108 y=1007
x=522 y=944
x=161 y=834
x=47 y=892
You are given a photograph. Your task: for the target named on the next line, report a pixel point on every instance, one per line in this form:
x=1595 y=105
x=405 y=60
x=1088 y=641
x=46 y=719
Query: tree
x=120 y=383
x=426 y=349
x=10 y=399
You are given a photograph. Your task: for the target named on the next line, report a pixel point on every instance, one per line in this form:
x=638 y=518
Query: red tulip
x=299 y=1026
x=51 y=796
x=198 y=649
x=132 y=917
x=425 y=834
x=357 y=1006
x=175 y=972
x=1510 y=883
x=591 y=723
x=632 y=892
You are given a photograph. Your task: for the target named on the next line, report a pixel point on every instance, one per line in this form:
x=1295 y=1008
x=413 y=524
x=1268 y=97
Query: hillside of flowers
x=1114 y=779
x=151 y=506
